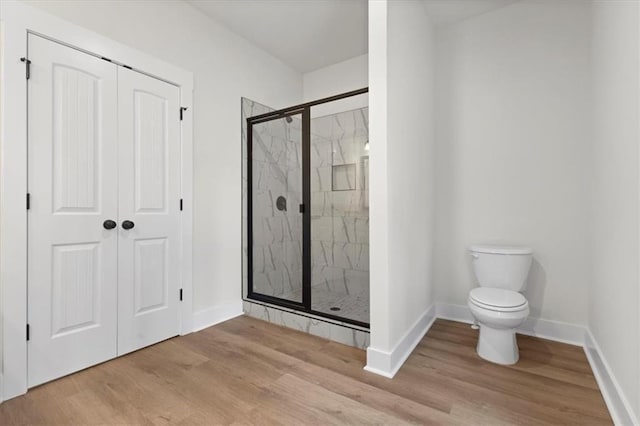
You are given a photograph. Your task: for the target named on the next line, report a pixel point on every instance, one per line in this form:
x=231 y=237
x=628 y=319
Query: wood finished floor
x=247 y=371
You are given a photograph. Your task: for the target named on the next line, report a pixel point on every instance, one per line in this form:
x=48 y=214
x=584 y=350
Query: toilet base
x=498 y=345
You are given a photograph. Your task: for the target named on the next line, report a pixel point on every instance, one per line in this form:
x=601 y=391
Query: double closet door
x=104 y=210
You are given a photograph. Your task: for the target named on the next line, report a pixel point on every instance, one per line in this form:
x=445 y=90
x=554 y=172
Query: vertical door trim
x=18 y=20
x=186 y=211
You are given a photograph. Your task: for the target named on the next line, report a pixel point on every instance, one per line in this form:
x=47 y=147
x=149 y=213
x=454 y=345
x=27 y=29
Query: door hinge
x=182 y=110
x=28 y=201
x=28 y=332
x=181 y=295
x=27 y=64
x=180 y=204
x=301 y=208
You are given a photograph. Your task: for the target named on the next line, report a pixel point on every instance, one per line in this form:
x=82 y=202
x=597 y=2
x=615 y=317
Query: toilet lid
x=497 y=297
x=500 y=249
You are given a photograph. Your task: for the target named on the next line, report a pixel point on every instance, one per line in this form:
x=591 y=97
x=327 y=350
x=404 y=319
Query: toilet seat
x=497 y=299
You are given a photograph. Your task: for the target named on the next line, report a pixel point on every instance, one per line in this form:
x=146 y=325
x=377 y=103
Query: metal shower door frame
x=305 y=207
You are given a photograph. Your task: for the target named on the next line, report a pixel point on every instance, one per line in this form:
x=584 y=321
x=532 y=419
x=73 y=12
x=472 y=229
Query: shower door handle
x=301 y=208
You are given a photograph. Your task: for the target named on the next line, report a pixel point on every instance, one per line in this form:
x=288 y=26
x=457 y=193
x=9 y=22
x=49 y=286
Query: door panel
x=151 y=280
x=149 y=196
x=151 y=152
x=75 y=289
x=72 y=272
x=75 y=138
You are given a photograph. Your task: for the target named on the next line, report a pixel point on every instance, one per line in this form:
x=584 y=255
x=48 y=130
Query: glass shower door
x=275 y=219
x=307 y=207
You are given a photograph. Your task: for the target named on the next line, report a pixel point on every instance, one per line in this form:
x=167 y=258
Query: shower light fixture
x=366 y=145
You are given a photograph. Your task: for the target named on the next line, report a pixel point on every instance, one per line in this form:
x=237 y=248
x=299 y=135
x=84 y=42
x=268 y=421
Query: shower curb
x=344 y=333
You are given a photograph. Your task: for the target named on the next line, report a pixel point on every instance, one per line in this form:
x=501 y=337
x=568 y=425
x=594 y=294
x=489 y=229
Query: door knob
x=109 y=224
x=127 y=224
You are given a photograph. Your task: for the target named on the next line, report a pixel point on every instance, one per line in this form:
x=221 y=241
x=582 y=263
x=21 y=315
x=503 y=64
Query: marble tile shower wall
x=277 y=234
x=340 y=203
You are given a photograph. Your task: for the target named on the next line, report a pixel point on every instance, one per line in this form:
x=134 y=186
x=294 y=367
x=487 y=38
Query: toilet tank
x=501 y=266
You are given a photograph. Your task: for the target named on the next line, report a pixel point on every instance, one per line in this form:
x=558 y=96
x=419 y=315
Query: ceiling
x=312 y=34
x=304 y=34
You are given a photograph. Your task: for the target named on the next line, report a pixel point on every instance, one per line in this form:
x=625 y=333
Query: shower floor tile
x=353 y=306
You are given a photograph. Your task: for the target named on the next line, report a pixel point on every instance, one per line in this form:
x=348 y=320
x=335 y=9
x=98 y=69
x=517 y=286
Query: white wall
x=225 y=67
x=411 y=164
x=614 y=311
x=338 y=78
x=378 y=177
x=513 y=149
x=402 y=173
x=2 y=88
x=342 y=77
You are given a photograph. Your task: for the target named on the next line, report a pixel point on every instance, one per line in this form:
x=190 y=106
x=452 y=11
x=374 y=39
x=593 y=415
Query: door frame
x=305 y=303
x=18 y=20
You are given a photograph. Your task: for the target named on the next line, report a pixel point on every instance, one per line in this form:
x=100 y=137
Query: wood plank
x=371 y=396
x=525 y=364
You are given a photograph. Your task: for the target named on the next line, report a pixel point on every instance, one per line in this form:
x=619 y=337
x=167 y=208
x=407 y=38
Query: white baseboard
x=554 y=330
x=217 y=314
x=386 y=363
x=459 y=313
x=379 y=362
x=614 y=397
x=546 y=329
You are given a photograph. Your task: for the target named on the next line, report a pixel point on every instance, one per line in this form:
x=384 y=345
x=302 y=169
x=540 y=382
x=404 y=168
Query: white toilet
x=497 y=305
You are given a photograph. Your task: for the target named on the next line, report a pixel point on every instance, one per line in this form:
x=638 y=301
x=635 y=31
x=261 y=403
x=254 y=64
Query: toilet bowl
x=498 y=314
x=497 y=304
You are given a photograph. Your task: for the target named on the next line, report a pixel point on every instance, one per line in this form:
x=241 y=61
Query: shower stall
x=306 y=207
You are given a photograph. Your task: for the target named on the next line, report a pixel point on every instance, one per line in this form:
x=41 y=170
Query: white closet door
x=149 y=198
x=72 y=266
